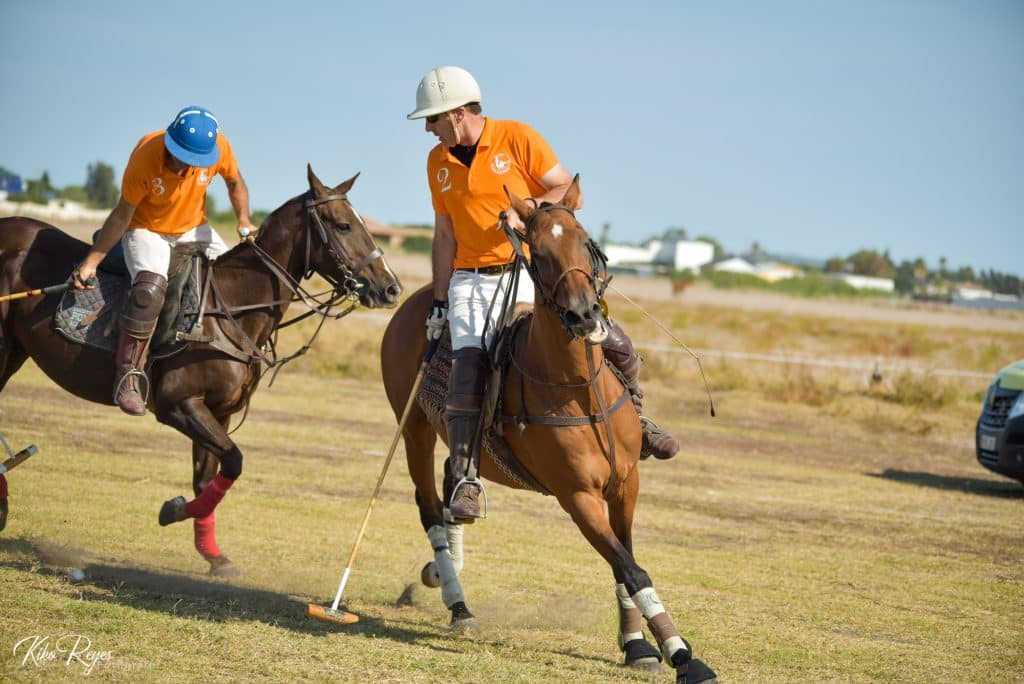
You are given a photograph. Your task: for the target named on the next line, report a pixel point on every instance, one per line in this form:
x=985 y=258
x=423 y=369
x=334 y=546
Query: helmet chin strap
x=455 y=128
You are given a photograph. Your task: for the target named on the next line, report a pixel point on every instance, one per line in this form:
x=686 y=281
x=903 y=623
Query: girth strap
x=568 y=420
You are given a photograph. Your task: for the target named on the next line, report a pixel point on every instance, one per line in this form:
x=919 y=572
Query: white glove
x=437 y=319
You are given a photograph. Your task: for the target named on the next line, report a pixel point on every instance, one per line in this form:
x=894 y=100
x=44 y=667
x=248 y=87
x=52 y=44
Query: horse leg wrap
x=203 y=505
x=206 y=542
x=453 y=532
x=630 y=624
x=451 y=590
x=673 y=647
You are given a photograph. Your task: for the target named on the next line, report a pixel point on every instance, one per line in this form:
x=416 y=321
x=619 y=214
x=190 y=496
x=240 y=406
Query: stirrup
x=455 y=520
x=144 y=382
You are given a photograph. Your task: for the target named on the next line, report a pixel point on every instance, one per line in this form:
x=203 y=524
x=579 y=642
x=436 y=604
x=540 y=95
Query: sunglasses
x=433 y=119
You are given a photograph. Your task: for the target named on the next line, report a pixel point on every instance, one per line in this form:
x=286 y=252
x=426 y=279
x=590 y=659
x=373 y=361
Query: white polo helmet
x=444 y=89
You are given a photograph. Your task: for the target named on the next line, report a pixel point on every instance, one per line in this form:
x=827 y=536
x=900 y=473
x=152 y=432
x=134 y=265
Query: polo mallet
x=52 y=289
x=333 y=614
x=14 y=460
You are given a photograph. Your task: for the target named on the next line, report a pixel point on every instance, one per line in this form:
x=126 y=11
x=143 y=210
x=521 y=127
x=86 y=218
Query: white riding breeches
x=145 y=250
x=470 y=295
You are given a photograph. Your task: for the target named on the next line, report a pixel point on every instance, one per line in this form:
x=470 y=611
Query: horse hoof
x=463 y=621
x=642 y=655
x=465 y=626
x=430 y=576
x=221 y=566
x=172 y=511
x=695 y=672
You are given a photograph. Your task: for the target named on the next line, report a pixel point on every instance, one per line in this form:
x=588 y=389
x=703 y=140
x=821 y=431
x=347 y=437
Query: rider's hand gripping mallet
x=333 y=614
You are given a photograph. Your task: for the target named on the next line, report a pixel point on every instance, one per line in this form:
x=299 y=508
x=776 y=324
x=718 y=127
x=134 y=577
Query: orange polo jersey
x=508 y=153
x=165 y=202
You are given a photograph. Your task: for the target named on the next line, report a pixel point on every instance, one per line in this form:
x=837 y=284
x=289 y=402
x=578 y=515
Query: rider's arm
x=110 y=234
x=557 y=181
x=442 y=255
x=238 y=193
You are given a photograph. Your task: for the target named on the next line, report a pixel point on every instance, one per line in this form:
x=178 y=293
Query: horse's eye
x=343 y=227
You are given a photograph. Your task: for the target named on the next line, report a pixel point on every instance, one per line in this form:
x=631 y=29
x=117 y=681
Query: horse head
x=340 y=248
x=568 y=268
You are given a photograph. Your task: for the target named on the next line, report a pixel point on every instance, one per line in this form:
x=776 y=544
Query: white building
x=673 y=254
x=734 y=265
x=862 y=282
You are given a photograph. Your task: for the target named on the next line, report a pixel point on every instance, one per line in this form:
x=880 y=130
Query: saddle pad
x=90 y=317
x=432 y=396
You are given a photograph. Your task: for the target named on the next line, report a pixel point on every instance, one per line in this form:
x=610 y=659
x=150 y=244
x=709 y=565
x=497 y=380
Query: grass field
x=821 y=528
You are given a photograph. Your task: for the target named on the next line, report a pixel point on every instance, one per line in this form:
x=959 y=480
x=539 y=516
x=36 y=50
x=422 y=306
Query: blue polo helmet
x=192 y=137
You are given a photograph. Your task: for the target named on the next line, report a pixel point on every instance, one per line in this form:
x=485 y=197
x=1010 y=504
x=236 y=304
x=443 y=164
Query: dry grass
x=821 y=528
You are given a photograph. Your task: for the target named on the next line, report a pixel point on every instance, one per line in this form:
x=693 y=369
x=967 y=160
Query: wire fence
x=878 y=366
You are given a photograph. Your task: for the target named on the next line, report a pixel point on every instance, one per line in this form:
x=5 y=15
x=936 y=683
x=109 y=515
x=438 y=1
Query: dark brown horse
x=198 y=390
x=576 y=443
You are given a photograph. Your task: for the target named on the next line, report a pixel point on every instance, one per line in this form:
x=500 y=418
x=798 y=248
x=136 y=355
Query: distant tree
x=964 y=275
x=942 y=267
x=906 y=278
x=837 y=265
x=100 y=186
x=606 y=229
x=38 y=191
x=675 y=233
x=869 y=262
x=719 y=250
x=75 y=193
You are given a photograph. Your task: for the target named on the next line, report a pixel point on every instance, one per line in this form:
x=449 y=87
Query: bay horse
x=199 y=389
x=575 y=443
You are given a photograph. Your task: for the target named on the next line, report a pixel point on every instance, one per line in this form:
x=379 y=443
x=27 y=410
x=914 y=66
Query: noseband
x=598 y=274
x=348 y=283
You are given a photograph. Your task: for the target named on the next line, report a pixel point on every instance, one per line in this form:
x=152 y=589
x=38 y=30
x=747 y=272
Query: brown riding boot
x=462 y=485
x=138 y=321
x=618 y=349
x=129 y=375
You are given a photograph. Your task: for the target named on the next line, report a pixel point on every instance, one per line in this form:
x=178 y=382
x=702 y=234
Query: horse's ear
x=571 y=198
x=524 y=209
x=314 y=183
x=346 y=186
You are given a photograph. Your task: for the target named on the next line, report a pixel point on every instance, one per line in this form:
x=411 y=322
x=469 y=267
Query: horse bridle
x=598 y=274
x=348 y=283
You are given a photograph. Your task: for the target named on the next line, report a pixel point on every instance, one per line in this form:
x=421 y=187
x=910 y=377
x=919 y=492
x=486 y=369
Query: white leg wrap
x=454 y=535
x=650 y=605
x=451 y=590
x=648 y=602
x=627 y=603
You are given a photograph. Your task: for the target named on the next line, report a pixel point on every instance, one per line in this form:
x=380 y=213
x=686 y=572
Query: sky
x=814 y=128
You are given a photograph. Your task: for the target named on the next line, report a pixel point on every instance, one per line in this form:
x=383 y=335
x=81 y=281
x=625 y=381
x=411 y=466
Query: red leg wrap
x=206 y=542
x=203 y=505
x=3 y=486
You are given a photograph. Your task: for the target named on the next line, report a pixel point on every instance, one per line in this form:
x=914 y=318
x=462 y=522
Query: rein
x=345 y=289
x=598 y=274
x=599 y=279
